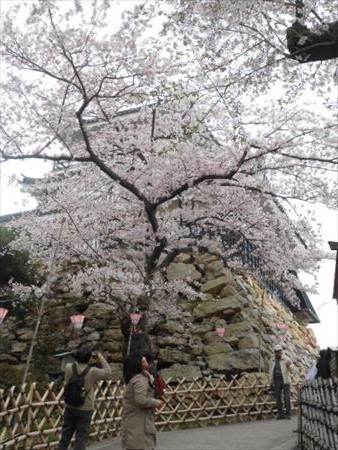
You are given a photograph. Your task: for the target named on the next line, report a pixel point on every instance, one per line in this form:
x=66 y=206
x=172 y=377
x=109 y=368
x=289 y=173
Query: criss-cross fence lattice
x=318 y=428
x=31 y=417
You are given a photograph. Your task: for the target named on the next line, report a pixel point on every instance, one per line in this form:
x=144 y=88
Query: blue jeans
x=75 y=421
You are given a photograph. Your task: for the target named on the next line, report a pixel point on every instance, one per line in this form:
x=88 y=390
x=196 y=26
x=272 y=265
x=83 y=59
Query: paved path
x=262 y=435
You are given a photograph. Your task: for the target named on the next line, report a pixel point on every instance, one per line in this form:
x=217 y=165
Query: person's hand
x=96 y=358
x=160 y=404
x=99 y=356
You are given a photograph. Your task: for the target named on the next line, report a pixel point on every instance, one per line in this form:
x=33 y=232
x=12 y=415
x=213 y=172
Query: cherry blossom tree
x=170 y=139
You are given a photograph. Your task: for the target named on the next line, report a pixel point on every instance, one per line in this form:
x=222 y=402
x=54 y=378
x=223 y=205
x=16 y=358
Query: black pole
x=334 y=247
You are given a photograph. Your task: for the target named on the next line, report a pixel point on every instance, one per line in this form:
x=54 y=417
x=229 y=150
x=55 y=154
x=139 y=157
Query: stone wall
x=187 y=346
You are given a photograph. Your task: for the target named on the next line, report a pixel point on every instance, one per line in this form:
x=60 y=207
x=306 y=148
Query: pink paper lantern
x=3 y=312
x=135 y=318
x=220 y=331
x=77 y=321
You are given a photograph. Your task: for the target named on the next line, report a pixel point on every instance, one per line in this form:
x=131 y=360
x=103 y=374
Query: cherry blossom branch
x=77 y=229
x=56 y=158
x=184 y=187
x=34 y=66
x=311 y=158
x=67 y=55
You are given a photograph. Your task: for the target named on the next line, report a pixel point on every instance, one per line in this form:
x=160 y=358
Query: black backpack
x=74 y=393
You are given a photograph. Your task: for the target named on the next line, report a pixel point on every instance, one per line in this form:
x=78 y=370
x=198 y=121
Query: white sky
x=12 y=200
x=326 y=307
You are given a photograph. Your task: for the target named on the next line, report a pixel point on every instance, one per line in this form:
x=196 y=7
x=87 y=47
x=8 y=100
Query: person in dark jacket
x=77 y=419
x=323 y=364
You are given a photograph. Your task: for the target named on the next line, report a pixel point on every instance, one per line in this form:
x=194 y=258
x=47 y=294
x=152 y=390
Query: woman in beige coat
x=139 y=404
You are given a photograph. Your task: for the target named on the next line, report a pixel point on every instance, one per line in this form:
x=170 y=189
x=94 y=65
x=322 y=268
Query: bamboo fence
x=318 y=428
x=31 y=417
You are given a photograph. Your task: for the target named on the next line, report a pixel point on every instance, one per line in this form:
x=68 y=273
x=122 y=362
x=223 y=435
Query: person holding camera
x=139 y=404
x=80 y=378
